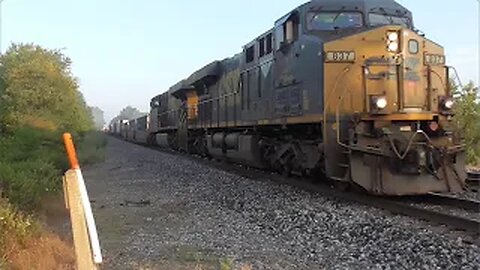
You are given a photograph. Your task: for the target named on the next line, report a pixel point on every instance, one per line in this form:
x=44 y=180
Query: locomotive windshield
x=385 y=19
x=327 y=21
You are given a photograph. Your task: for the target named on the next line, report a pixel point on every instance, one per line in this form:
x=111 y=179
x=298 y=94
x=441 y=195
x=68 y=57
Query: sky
x=124 y=52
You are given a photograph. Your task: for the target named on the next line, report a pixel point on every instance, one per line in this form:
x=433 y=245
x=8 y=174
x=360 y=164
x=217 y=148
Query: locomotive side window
x=291 y=29
x=288 y=32
x=250 y=54
x=261 y=46
x=242 y=91
x=265 y=45
x=328 y=21
x=278 y=37
x=269 y=43
x=250 y=85
x=259 y=81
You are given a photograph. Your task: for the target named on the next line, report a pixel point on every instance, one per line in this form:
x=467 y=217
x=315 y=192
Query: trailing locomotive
x=347 y=89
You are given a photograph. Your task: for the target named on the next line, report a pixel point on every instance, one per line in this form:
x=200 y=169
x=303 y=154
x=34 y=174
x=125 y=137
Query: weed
x=15 y=229
x=26 y=182
x=33 y=160
x=226 y=264
x=91 y=147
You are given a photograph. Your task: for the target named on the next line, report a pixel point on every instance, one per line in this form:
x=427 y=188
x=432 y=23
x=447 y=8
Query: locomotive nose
x=409 y=77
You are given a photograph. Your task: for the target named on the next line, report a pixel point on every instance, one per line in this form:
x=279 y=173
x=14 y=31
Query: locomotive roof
x=381 y=6
x=205 y=74
x=216 y=68
x=210 y=70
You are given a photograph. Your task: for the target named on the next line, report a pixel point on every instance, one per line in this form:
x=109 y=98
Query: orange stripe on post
x=70 y=148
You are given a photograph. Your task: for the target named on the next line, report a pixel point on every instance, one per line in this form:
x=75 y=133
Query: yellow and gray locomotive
x=347 y=89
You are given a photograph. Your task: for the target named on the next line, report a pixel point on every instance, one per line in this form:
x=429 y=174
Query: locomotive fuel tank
x=236 y=147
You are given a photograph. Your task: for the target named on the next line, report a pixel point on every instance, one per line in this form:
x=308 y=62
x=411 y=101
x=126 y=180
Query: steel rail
x=395 y=207
x=467 y=204
x=473 y=176
x=473 y=180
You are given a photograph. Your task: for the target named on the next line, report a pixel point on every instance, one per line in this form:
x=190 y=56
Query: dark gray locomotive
x=346 y=89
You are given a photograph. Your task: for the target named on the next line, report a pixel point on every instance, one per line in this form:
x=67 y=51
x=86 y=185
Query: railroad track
x=473 y=180
x=469 y=223
x=393 y=205
x=458 y=213
x=449 y=200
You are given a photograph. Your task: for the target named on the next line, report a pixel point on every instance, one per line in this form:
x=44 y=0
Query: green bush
x=31 y=164
x=467 y=120
x=33 y=161
x=26 y=182
x=27 y=143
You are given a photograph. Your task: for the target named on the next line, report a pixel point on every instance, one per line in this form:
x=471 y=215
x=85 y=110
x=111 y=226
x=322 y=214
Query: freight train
x=348 y=90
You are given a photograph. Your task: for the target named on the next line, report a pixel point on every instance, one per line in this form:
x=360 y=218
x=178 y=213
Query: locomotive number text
x=340 y=56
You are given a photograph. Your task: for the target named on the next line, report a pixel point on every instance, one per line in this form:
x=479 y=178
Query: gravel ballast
x=193 y=216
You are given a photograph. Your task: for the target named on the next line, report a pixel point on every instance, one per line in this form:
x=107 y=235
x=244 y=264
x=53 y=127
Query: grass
x=91 y=148
x=190 y=257
x=24 y=244
x=15 y=229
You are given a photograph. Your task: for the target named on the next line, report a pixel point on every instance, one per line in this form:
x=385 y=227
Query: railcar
x=345 y=89
x=140 y=129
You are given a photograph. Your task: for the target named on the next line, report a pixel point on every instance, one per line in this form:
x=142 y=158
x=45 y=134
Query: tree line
x=128 y=113
x=38 y=89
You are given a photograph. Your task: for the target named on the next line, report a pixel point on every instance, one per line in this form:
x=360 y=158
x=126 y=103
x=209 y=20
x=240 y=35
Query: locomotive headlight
x=393 y=41
x=449 y=104
x=393 y=46
x=379 y=102
x=392 y=36
x=446 y=103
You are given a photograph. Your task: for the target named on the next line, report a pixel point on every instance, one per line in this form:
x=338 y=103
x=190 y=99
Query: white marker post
x=78 y=194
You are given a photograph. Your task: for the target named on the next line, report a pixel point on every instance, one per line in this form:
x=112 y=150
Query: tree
x=98 y=117
x=467 y=119
x=38 y=89
x=128 y=113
